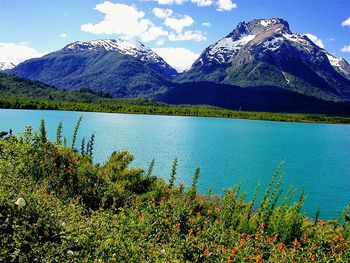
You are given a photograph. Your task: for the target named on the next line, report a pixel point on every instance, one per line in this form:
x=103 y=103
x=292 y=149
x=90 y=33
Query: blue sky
x=176 y=29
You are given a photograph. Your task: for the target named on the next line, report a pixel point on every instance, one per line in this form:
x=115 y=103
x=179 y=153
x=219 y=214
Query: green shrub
x=79 y=211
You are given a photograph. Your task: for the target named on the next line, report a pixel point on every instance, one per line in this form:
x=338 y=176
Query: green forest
x=57 y=205
x=18 y=93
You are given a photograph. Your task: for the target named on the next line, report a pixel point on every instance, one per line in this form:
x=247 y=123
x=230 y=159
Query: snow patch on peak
x=226 y=48
x=339 y=64
x=107 y=45
x=135 y=49
x=335 y=62
x=6 y=66
x=273 y=44
x=265 y=23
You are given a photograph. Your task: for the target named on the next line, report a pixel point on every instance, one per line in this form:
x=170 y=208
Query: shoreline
x=209 y=113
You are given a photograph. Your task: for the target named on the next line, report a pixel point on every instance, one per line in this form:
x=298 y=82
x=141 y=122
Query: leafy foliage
x=74 y=210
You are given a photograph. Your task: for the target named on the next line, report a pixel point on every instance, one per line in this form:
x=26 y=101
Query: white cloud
x=203 y=2
x=187 y=35
x=161 y=12
x=221 y=5
x=178 y=24
x=346 y=22
x=315 y=39
x=129 y=22
x=17 y=53
x=153 y=33
x=170 y=2
x=124 y=20
x=179 y=58
x=160 y=42
x=206 y=24
x=346 y=49
x=225 y=5
x=63 y=35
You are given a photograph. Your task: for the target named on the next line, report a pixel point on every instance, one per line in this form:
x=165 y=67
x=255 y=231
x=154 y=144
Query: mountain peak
x=267 y=52
x=135 y=49
x=6 y=66
x=126 y=47
x=261 y=26
x=132 y=48
x=245 y=34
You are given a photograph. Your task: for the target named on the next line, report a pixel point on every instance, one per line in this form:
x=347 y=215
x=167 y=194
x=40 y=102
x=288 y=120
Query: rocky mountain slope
x=6 y=66
x=265 y=52
x=117 y=67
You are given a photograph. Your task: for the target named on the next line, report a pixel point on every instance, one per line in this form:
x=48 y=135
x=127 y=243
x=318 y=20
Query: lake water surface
x=229 y=151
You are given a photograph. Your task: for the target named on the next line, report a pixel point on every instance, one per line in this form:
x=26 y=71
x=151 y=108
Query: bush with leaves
x=57 y=205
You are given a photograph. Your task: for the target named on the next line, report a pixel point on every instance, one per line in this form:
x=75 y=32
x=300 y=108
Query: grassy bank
x=144 y=106
x=57 y=205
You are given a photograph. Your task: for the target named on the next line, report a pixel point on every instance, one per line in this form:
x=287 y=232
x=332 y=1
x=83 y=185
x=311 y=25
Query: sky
x=177 y=30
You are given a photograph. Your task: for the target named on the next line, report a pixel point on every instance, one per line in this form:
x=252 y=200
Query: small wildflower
x=261 y=227
x=162 y=250
x=176 y=227
x=338 y=239
x=70 y=252
x=233 y=252
x=281 y=246
x=296 y=243
x=21 y=202
x=207 y=252
x=269 y=239
x=341 y=247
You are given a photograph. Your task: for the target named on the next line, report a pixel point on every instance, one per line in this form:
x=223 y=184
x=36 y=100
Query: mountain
x=16 y=88
x=258 y=98
x=134 y=49
x=265 y=52
x=6 y=66
x=17 y=92
x=116 y=67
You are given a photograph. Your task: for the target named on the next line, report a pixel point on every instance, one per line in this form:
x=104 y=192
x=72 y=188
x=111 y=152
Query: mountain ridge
x=117 y=67
x=267 y=52
x=260 y=53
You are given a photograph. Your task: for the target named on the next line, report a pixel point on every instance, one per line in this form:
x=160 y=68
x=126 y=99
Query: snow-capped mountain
x=6 y=66
x=116 y=67
x=135 y=49
x=267 y=52
x=340 y=65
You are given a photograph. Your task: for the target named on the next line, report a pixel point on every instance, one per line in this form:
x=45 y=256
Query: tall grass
x=111 y=212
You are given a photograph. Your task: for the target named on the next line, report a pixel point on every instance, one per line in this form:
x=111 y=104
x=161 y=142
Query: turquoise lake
x=229 y=151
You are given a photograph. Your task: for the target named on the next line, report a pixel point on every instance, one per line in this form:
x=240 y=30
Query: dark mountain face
x=266 y=52
x=119 y=68
x=262 y=98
